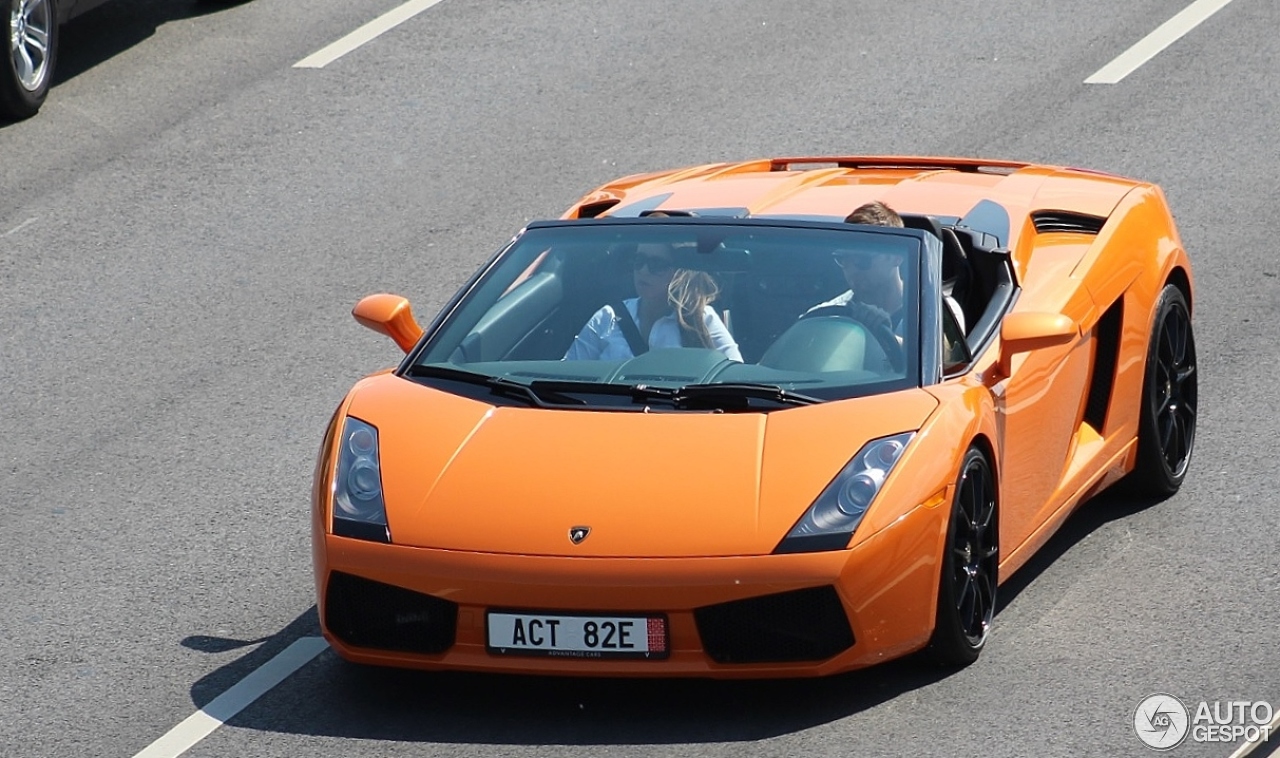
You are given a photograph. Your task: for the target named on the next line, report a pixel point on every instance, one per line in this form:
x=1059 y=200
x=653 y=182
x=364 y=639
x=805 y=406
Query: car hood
x=464 y=475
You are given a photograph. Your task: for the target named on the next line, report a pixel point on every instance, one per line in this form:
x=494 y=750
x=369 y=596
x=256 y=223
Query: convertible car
x=680 y=432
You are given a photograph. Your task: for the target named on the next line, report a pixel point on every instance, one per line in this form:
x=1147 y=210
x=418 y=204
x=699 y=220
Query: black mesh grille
x=1061 y=221
x=370 y=614
x=804 y=625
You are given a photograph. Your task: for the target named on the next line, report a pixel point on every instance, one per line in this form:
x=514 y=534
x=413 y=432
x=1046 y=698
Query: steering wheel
x=876 y=320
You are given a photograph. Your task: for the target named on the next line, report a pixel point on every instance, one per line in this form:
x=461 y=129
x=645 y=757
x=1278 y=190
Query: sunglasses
x=655 y=264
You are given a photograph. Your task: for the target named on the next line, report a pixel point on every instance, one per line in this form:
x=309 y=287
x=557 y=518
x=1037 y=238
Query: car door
x=1039 y=407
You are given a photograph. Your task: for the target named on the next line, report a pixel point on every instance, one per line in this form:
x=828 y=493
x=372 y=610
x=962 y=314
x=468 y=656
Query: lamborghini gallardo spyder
x=705 y=424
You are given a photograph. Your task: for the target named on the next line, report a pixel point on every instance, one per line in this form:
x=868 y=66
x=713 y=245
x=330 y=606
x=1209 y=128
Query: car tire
x=1167 y=426
x=27 y=59
x=970 y=567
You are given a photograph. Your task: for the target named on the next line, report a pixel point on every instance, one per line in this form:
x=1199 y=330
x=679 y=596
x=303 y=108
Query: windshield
x=582 y=313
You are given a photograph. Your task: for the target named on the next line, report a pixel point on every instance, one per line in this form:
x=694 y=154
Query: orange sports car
x=786 y=417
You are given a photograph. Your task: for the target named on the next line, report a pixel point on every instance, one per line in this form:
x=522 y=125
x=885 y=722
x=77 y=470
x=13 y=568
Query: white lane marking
x=224 y=707
x=1151 y=45
x=19 y=227
x=384 y=23
x=1249 y=747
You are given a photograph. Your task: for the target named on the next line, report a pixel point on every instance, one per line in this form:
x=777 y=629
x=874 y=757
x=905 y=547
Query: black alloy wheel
x=1167 y=429
x=970 y=567
x=29 y=51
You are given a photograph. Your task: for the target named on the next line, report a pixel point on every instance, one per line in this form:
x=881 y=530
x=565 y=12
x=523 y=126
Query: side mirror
x=389 y=315
x=1024 y=332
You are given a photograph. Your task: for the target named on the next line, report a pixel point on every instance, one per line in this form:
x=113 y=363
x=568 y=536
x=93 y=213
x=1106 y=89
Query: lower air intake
x=365 y=613
x=803 y=625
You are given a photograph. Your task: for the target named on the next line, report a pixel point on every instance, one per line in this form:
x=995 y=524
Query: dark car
x=26 y=68
x=30 y=52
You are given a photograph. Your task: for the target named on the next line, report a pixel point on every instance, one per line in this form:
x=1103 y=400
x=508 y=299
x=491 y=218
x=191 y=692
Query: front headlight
x=358 y=507
x=831 y=520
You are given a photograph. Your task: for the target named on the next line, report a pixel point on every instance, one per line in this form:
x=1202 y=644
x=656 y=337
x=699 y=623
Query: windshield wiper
x=736 y=396
x=640 y=393
x=542 y=397
x=553 y=393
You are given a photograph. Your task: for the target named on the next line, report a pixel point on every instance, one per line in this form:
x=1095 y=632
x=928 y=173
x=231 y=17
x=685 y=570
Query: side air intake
x=1070 y=223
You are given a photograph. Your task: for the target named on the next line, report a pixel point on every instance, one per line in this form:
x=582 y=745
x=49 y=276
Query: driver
x=874 y=297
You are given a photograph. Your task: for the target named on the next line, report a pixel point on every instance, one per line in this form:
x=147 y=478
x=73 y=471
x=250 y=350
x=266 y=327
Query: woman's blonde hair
x=690 y=292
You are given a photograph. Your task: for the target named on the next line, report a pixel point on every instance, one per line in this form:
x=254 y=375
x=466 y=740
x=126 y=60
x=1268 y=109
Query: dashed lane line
x=224 y=707
x=1248 y=747
x=1151 y=45
x=380 y=25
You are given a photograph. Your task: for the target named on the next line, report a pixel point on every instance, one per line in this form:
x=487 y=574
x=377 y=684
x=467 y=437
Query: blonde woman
x=672 y=308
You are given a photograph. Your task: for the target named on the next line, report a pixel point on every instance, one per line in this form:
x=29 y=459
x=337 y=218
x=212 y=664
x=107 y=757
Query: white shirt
x=602 y=337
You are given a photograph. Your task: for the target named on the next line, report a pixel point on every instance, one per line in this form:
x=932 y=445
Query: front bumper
x=886 y=588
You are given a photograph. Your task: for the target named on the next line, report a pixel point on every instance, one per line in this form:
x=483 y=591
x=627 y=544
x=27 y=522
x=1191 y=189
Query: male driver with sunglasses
x=874 y=296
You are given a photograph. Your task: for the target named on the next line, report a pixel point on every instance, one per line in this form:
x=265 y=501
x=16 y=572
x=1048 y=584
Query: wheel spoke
x=1180 y=328
x=986 y=603
x=1165 y=429
x=1184 y=441
x=1173 y=450
x=25 y=67
x=1168 y=350
x=971 y=496
x=987 y=512
x=967 y=599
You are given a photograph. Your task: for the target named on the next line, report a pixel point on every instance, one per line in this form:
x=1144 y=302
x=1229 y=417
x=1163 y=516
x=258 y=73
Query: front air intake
x=1070 y=223
x=803 y=625
x=365 y=613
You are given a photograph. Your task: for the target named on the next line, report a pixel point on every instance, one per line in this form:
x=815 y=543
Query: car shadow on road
x=1091 y=516
x=116 y=26
x=329 y=697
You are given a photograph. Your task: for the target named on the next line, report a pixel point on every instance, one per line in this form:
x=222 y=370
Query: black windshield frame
x=923 y=295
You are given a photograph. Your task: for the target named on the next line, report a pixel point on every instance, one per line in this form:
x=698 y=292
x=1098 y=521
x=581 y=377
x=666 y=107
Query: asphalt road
x=187 y=223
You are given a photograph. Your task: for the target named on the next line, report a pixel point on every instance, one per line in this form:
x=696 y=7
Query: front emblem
x=578 y=533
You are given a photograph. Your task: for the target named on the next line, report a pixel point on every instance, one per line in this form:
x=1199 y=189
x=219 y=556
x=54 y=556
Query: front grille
x=365 y=613
x=803 y=625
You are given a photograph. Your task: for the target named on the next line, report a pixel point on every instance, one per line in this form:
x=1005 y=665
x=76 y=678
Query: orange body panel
x=443 y=492
x=480 y=498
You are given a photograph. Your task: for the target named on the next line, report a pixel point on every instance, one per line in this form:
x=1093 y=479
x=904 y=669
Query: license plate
x=578 y=636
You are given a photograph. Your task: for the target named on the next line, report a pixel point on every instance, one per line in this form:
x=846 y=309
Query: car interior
x=762 y=294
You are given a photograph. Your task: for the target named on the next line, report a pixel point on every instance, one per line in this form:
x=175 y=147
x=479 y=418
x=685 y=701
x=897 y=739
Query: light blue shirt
x=603 y=339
